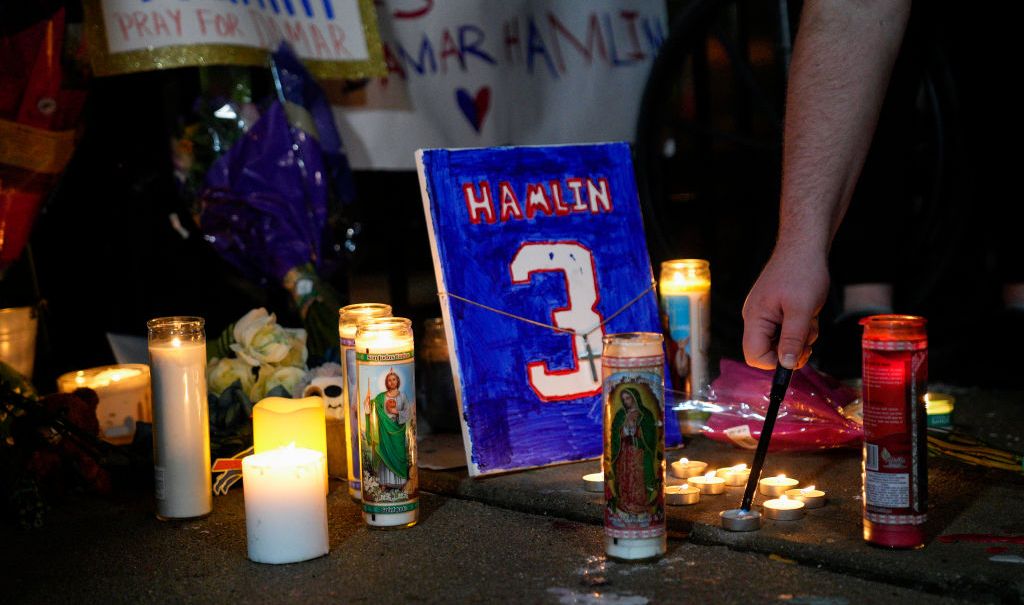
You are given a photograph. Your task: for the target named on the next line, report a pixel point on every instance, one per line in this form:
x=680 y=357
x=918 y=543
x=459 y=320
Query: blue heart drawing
x=474 y=107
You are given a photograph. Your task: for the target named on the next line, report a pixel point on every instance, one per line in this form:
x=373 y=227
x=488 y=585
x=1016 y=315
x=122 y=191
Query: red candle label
x=895 y=472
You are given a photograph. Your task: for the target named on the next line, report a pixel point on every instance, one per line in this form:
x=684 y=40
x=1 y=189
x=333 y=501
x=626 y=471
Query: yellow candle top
x=779 y=480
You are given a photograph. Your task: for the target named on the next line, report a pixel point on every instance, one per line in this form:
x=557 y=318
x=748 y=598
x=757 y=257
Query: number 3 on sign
x=576 y=263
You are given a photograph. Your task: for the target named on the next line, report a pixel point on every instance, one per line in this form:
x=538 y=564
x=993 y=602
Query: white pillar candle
x=685 y=468
x=708 y=484
x=812 y=498
x=124 y=397
x=285 y=508
x=181 y=426
x=777 y=485
x=386 y=368
x=348 y=320
x=783 y=509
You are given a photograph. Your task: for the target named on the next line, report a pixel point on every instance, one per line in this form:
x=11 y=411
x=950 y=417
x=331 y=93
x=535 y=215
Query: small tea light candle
x=285 y=508
x=680 y=495
x=777 y=485
x=684 y=468
x=594 y=482
x=783 y=509
x=812 y=498
x=734 y=476
x=708 y=484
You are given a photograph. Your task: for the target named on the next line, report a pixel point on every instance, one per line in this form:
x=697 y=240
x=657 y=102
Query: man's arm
x=844 y=53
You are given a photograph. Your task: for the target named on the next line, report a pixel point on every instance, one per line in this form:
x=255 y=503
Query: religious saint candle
x=685 y=287
x=124 y=397
x=181 y=426
x=348 y=319
x=783 y=508
x=777 y=485
x=285 y=508
x=633 y=391
x=279 y=421
x=385 y=380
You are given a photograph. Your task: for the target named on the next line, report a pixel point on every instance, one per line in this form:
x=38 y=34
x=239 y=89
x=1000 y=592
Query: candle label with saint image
x=388 y=432
x=634 y=445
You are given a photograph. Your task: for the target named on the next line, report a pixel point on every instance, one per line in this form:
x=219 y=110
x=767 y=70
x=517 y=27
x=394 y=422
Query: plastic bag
x=812 y=416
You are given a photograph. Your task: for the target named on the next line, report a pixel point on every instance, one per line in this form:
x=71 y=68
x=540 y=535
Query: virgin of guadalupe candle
x=634 y=445
x=385 y=370
x=279 y=422
x=685 y=287
x=181 y=426
x=285 y=508
x=348 y=318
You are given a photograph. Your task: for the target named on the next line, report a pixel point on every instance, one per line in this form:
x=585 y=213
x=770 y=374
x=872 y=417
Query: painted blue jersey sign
x=539 y=252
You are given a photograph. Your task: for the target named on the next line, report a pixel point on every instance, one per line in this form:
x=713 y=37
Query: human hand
x=780 y=315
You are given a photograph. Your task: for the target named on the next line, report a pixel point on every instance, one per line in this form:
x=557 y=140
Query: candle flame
x=808 y=489
x=685 y=486
x=784 y=497
x=780 y=476
x=740 y=467
x=176 y=342
x=710 y=475
x=684 y=461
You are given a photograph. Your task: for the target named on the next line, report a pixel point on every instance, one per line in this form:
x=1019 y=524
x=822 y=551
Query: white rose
x=222 y=373
x=259 y=340
x=288 y=377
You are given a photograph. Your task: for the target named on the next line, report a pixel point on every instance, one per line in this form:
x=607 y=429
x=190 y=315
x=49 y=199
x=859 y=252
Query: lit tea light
x=594 y=482
x=681 y=495
x=708 y=484
x=684 y=468
x=734 y=476
x=812 y=498
x=777 y=485
x=784 y=509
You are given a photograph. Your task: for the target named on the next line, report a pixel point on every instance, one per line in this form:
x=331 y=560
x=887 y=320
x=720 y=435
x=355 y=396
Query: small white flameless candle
x=285 y=508
x=777 y=485
x=783 y=509
x=594 y=482
x=812 y=498
x=708 y=484
x=181 y=425
x=685 y=468
x=679 y=495
x=734 y=476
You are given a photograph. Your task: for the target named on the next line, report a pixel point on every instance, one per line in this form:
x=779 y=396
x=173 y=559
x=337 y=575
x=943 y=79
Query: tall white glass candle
x=386 y=369
x=181 y=426
x=348 y=318
x=685 y=287
x=285 y=508
x=634 y=445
